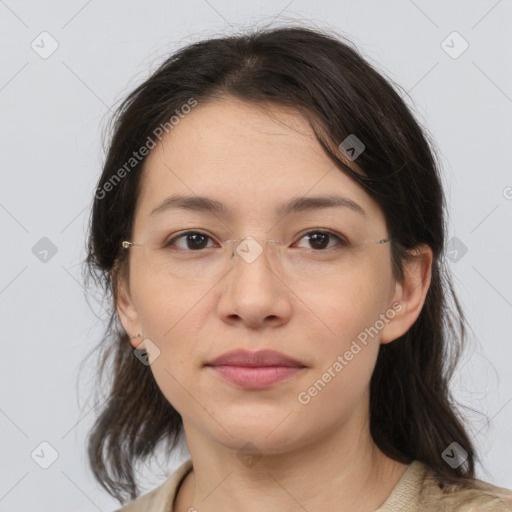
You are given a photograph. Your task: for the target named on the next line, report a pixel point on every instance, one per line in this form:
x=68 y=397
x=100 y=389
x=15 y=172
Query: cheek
x=164 y=304
x=167 y=319
x=349 y=306
x=346 y=351
x=166 y=314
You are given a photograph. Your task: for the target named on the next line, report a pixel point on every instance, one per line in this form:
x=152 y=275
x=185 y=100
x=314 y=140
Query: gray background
x=53 y=111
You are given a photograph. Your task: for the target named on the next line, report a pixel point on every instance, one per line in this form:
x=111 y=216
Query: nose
x=252 y=292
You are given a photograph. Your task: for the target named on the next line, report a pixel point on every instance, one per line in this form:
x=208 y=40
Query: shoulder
x=421 y=489
x=467 y=496
x=161 y=498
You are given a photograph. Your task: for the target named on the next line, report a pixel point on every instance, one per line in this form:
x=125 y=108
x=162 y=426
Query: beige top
x=416 y=491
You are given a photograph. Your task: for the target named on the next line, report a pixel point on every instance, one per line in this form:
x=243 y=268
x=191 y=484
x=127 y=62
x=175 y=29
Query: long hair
x=322 y=76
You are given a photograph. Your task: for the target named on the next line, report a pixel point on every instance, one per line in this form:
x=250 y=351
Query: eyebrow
x=296 y=204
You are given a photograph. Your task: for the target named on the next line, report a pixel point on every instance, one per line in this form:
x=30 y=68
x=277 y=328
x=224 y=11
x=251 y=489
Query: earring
x=138 y=336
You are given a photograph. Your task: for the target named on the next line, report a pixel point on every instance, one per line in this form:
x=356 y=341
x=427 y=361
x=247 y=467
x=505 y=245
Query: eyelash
x=342 y=242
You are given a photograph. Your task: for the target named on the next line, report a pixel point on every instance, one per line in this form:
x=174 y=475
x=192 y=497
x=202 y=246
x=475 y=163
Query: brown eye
x=319 y=240
x=194 y=240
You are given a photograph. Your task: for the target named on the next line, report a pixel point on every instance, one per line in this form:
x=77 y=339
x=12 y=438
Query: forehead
x=249 y=157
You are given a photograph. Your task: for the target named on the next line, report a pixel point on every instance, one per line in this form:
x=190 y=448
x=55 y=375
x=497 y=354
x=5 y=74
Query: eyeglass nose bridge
x=249 y=248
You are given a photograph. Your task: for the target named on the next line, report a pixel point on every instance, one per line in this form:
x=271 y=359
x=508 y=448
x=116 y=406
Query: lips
x=261 y=358
x=255 y=370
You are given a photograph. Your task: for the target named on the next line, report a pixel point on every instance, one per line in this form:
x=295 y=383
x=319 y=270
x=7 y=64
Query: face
x=251 y=159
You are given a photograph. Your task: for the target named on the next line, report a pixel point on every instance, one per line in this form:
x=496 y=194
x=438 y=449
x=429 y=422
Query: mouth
x=255 y=370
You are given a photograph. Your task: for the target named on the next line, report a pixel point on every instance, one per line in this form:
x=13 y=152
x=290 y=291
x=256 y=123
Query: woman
x=270 y=220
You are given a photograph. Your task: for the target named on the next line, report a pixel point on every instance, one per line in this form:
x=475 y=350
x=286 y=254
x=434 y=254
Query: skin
x=315 y=456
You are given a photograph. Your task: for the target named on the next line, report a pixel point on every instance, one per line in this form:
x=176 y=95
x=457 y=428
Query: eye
x=194 y=240
x=319 y=240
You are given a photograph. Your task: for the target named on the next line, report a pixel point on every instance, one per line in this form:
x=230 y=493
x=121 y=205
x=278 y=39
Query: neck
x=336 y=472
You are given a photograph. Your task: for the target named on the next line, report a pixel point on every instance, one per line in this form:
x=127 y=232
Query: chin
x=263 y=437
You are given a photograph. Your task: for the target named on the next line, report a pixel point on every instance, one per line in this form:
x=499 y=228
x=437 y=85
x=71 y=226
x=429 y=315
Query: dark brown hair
x=412 y=413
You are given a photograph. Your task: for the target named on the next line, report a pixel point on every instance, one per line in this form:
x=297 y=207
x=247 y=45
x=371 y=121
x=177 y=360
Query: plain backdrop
x=64 y=66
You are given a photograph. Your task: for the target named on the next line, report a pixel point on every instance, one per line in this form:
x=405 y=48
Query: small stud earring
x=138 y=336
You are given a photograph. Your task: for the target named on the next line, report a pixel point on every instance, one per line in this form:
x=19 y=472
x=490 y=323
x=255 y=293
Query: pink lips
x=255 y=370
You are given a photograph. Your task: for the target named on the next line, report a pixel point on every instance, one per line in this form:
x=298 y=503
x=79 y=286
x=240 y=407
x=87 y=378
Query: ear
x=126 y=309
x=409 y=296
